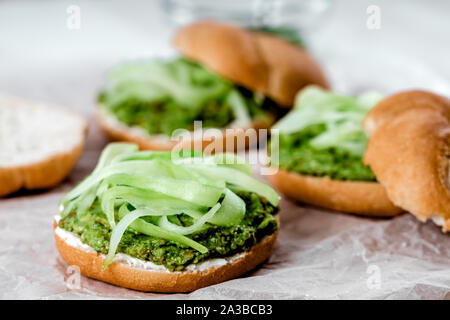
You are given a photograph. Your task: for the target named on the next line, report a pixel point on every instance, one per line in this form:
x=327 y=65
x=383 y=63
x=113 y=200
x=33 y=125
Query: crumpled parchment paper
x=319 y=254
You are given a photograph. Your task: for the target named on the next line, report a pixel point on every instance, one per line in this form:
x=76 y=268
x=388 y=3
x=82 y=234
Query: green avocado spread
x=221 y=241
x=297 y=155
x=163 y=96
x=323 y=136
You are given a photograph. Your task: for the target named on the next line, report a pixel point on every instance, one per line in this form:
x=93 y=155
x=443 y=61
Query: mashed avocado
x=259 y=221
x=297 y=155
x=323 y=136
x=162 y=96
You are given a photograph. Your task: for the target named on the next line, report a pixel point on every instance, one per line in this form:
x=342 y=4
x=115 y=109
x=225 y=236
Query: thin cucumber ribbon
x=150 y=175
x=197 y=225
x=153 y=165
x=237 y=103
x=189 y=85
x=155 y=184
x=231 y=210
x=341 y=115
x=141 y=197
x=239 y=178
x=132 y=220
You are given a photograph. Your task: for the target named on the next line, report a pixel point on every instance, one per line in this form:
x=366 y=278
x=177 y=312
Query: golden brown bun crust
x=90 y=264
x=49 y=171
x=258 y=61
x=44 y=174
x=395 y=105
x=229 y=140
x=409 y=152
x=363 y=198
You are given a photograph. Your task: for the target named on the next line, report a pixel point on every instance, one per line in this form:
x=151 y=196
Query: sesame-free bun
x=124 y=275
x=258 y=61
x=223 y=140
x=409 y=152
x=261 y=62
x=40 y=144
x=358 y=197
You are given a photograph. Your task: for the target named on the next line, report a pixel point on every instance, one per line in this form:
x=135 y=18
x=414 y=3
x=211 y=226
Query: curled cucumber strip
x=186 y=83
x=341 y=116
x=132 y=220
x=230 y=212
x=141 y=198
x=196 y=226
x=129 y=185
x=237 y=103
x=187 y=190
x=241 y=179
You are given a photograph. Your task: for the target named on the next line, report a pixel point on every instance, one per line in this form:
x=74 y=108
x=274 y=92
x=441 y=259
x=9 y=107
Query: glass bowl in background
x=293 y=15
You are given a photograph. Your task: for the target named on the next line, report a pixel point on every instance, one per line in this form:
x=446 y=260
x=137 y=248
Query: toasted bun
x=258 y=61
x=120 y=274
x=409 y=152
x=363 y=198
x=231 y=139
x=40 y=144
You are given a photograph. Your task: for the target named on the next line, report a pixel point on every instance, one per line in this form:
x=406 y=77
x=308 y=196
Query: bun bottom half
x=358 y=197
x=120 y=274
x=43 y=174
x=40 y=143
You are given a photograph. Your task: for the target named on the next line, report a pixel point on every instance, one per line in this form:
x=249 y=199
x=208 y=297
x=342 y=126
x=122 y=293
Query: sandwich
x=227 y=77
x=409 y=151
x=167 y=221
x=320 y=154
x=40 y=144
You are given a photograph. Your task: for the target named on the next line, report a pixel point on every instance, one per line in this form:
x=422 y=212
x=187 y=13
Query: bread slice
x=39 y=143
x=363 y=198
x=229 y=139
x=135 y=274
x=409 y=152
x=261 y=62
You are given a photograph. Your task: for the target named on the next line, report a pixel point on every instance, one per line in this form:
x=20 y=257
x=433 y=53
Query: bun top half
x=256 y=60
x=409 y=152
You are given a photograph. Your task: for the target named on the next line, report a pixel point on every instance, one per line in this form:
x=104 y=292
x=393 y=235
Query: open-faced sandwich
x=167 y=221
x=228 y=78
x=409 y=151
x=320 y=156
